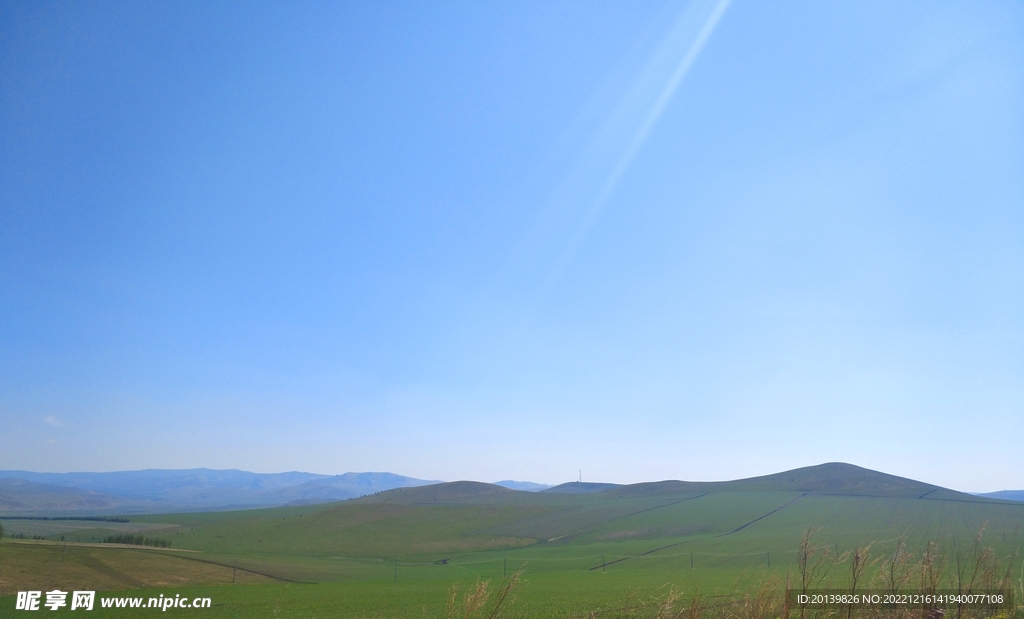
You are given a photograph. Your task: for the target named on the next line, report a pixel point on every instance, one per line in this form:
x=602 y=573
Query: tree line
x=137 y=540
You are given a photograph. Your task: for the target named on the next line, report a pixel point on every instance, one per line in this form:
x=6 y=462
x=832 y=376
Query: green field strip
x=381 y=530
x=714 y=514
x=650 y=509
x=759 y=518
x=604 y=565
x=565 y=524
x=561 y=521
x=228 y=566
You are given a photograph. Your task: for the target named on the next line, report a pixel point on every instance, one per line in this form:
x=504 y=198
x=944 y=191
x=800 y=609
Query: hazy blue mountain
x=347 y=486
x=188 y=489
x=27 y=497
x=527 y=486
x=1006 y=495
x=168 y=484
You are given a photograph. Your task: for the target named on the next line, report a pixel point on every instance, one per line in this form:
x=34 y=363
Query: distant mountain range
x=157 y=490
x=527 y=486
x=829 y=479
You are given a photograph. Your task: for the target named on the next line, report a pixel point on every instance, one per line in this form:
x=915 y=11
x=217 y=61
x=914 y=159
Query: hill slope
x=1005 y=495
x=581 y=487
x=832 y=478
x=448 y=493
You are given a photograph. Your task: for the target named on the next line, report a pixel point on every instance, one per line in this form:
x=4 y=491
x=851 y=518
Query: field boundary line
x=50 y=542
x=781 y=507
x=1006 y=504
x=736 y=530
x=156 y=551
x=244 y=569
x=648 y=509
x=923 y=497
x=630 y=514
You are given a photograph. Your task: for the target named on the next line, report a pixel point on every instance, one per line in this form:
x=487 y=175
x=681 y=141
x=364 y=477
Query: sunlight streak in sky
x=628 y=128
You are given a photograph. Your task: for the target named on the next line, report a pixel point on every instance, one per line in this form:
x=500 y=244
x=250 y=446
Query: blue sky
x=649 y=240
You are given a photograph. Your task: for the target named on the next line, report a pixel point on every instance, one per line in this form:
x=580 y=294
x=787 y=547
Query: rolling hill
x=715 y=536
x=833 y=478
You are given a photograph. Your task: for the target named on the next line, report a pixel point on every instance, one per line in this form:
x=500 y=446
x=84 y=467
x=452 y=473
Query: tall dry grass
x=481 y=601
x=969 y=570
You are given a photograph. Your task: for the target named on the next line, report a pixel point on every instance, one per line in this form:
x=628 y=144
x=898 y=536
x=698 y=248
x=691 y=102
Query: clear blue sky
x=490 y=240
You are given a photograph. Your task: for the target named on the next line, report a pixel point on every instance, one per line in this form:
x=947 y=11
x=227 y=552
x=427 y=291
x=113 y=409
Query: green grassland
x=398 y=553
x=48 y=565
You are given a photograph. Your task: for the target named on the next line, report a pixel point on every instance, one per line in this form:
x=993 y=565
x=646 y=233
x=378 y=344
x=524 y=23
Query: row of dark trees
x=137 y=540
x=85 y=518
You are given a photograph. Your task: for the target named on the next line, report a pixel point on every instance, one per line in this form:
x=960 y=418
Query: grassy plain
x=397 y=554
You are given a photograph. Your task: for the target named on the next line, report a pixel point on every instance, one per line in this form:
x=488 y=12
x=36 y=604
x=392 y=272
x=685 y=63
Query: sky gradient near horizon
x=511 y=240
